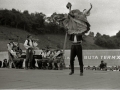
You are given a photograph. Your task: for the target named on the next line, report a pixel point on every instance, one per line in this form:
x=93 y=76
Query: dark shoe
x=81 y=74
x=71 y=73
x=55 y=68
x=26 y=68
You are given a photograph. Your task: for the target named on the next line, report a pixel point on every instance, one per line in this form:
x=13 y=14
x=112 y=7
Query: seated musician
x=48 y=59
x=17 y=58
x=10 y=53
x=50 y=54
x=57 y=58
x=44 y=58
x=40 y=61
x=13 y=54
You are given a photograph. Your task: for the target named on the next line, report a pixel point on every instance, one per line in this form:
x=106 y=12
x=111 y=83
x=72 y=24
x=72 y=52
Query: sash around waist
x=76 y=43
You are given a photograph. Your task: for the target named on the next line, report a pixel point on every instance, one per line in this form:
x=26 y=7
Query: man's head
x=102 y=61
x=29 y=36
x=43 y=49
x=5 y=60
x=15 y=43
x=11 y=40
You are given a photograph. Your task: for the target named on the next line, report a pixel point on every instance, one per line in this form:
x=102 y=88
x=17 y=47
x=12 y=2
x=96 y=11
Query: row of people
x=5 y=64
x=45 y=57
x=110 y=68
x=51 y=59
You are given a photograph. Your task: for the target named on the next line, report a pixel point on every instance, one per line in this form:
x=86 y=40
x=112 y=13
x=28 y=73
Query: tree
x=91 y=34
x=98 y=35
x=118 y=34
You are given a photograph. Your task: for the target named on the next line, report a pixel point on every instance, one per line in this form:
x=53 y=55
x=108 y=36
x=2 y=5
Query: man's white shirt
x=26 y=44
x=10 y=46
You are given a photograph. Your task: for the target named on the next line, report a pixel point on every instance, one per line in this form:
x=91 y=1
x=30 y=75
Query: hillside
x=44 y=39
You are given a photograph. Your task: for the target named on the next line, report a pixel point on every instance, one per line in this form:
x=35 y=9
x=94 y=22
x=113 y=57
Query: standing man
x=76 y=50
x=80 y=26
x=29 y=52
x=76 y=24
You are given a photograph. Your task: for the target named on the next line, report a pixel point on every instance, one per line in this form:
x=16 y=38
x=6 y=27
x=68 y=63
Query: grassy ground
x=44 y=39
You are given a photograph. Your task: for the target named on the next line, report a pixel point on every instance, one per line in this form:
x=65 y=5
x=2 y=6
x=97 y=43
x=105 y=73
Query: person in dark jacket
x=76 y=50
x=0 y=64
x=5 y=64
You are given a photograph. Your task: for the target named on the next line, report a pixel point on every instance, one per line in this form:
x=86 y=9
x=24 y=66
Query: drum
x=35 y=56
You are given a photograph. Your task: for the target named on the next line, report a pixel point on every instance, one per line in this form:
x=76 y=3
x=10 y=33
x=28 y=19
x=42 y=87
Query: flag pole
x=64 y=46
x=69 y=5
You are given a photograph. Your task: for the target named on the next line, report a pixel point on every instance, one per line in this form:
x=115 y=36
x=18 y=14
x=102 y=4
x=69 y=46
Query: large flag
x=75 y=21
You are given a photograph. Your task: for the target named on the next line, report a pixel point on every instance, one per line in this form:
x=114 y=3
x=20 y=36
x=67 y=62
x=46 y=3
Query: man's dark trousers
x=76 y=49
x=29 y=58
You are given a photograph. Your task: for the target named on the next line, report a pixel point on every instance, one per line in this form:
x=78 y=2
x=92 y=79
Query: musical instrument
x=34 y=39
x=17 y=50
x=35 y=56
x=35 y=44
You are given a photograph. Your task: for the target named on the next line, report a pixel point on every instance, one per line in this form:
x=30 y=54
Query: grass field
x=44 y=39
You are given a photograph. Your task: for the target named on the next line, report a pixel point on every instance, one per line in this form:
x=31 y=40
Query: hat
x=29 y=35
x=69 y=5
x=11 y=39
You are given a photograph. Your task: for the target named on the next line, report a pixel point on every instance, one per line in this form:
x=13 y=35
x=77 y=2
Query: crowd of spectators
x=103 y=67
x=47 y=64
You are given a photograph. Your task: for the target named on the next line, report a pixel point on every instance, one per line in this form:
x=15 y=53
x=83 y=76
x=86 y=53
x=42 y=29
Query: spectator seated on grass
x=103 y=66
x=115 y=68
x=5 y=63
x=93 y=68
x=88 y=68
x=0 y=64
x=119 y=68
x=109 y=68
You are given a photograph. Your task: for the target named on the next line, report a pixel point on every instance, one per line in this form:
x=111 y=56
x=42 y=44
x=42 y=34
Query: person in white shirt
x=11 y=53
x=40 y=61
x=57 y=58
x=45 y=57
x=29 y=52
x=50 y=55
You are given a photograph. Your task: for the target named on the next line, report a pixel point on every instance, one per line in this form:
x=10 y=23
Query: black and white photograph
x=59 y=44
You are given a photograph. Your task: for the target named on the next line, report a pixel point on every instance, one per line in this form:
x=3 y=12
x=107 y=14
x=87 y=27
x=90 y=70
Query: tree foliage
x=34 y=22
x=106 y=41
